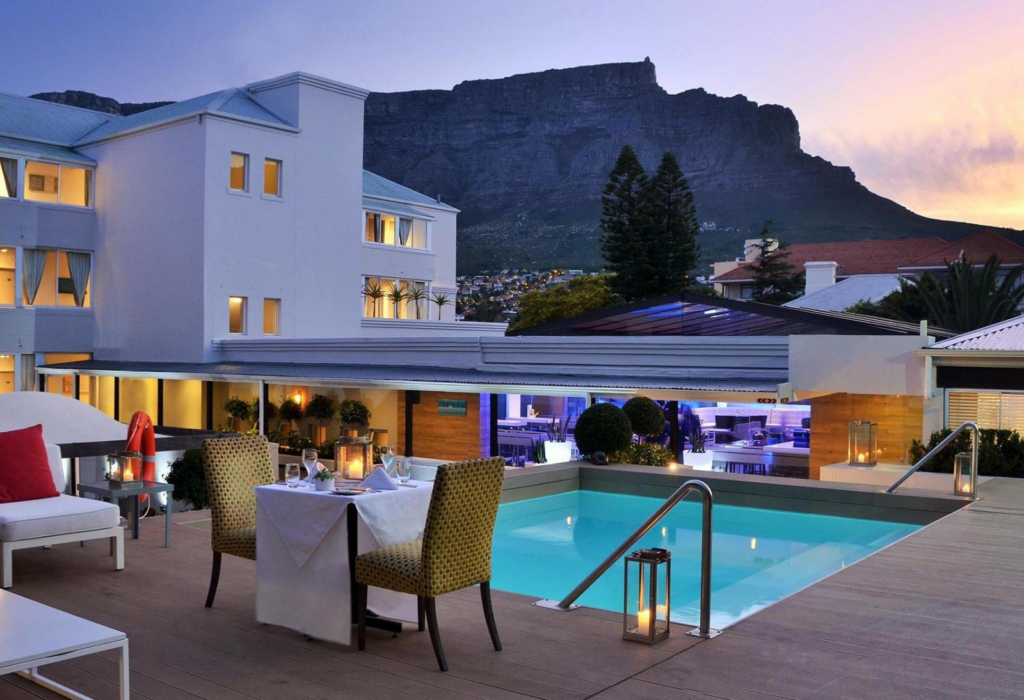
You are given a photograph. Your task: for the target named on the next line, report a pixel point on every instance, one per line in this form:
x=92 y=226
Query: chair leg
x=485 y=598
x=435 y=636
x=421 y=613
x=362 y=592
x=214 y=579
x=7 y=566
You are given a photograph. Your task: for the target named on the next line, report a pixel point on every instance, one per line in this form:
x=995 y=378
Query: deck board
x=937 y=615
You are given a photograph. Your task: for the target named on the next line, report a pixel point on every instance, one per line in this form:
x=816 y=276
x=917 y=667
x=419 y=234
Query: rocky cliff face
x=87 y=100
x=525 y=158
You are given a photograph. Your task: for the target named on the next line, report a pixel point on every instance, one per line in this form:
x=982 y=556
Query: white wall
x=856 y=364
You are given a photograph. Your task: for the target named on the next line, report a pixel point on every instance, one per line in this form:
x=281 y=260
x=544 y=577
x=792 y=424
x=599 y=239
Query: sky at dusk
x=924 y=99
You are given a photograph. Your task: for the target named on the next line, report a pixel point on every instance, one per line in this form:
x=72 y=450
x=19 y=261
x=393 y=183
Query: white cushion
x=46 y=517
x=56 y=466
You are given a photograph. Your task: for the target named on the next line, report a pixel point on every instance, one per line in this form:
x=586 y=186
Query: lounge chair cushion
x=24 y=467
x=47 y=517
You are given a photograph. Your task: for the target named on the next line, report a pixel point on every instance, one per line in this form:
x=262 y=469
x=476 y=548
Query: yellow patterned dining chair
x=455 y=551
x=234 y=466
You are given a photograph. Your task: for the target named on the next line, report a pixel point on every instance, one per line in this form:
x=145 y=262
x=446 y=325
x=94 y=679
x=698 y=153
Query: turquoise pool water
x=545 y=546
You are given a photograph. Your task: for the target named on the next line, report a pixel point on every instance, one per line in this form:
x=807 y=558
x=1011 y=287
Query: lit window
x=239 y=172
x=271 y=317
x=52 y=277
x=8 y=178
x=57 y=184
x=272 y=177
x=387 y=229
x=391 y=230
x=379 y=298
x=372 y=228
x=236 y=315
x=7 y=275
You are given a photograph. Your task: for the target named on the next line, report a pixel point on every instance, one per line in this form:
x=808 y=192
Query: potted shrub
x=189 y=480
x=290 y=412
x=603 y=429
x=269 y=412
x=323 y=480
x=240 y=413
x=322 y=409
x=697 y=455
x=645 y=416
x=556 y=449
x=353 y=412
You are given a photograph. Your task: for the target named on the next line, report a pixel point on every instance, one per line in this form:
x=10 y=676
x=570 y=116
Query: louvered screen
x=964 y=406
x=1012 y=414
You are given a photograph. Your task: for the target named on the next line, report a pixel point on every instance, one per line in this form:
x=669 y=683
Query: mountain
x=87 y=100
x=526 y=157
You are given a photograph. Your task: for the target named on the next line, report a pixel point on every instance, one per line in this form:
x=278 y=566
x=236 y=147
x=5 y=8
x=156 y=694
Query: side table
x=102 y=489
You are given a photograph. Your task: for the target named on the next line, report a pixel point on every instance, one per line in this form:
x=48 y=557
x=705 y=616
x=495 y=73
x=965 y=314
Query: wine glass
x=404 y=469
x=292 y=476
x=387 y=458
x=309 y=462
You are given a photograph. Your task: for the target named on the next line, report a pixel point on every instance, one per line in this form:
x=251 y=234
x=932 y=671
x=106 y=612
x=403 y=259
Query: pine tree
x=774 y=279
x=671 y=239
x=622 y=221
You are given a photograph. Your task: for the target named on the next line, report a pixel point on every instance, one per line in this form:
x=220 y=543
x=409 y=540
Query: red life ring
x=142 y=438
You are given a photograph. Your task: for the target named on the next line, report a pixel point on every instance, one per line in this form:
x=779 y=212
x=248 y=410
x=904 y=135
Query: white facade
x=173 y=234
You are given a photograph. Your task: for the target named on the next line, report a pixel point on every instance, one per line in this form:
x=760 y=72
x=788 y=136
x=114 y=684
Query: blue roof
x=39 y=120
x=231 y=101
x=376 y=186
x=39 y=150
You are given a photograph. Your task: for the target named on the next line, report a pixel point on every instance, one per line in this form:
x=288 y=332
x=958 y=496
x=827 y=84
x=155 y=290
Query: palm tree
x=416 y=295
x=374 y=291
x=398 y=294
x=441 y=300
x=971 y=297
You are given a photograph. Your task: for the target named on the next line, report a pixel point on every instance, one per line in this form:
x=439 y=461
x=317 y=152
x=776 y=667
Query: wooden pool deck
x=937 y=615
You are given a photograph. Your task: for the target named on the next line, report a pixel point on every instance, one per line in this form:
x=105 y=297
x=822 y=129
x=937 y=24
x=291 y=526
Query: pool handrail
x=973 y=427
x=707 y=499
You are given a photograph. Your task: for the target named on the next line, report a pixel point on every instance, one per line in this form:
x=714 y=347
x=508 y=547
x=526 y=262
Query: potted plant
x=290 y=412
x=442 y=300
x=322 y=409
x=354 y=412
x=240 y=413
x=417 y=295
x=269 y=412
x=375 y=291
x=398 y=294
x=323 y=480
x=189 y=480
x=697 y=455
x=602 y=430
x=645 y=416
x=556 y=448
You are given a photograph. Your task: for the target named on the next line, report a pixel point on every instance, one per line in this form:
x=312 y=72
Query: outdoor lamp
x=652 y=571
x=863 y=443
x=353 y=457
x=124 y=469
x=962 y=474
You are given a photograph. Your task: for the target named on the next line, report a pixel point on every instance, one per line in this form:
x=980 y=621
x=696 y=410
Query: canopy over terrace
x=691 y=314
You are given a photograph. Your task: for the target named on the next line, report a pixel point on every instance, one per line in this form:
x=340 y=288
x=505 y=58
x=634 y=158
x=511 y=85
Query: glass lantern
x=124 y=469
x=962 y=474
x=651 y=569
x=353 y=457
x=863 y=444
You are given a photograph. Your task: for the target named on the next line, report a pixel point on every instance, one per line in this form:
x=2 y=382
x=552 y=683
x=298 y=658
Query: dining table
x=306 y=545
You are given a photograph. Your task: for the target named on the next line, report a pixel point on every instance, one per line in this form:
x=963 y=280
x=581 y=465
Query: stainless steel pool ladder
x=704 y=630
x=973 y=427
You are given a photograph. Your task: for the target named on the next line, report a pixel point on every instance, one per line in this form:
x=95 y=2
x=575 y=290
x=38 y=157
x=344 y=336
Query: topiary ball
x=645 y=416
x=603 y=428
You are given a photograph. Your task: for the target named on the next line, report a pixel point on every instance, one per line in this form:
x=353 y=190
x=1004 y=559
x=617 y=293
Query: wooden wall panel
x=443 y=437
x=900 y=420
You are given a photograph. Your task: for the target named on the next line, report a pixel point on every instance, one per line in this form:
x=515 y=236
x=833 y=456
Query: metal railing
x=704 y=628
x=973 y=427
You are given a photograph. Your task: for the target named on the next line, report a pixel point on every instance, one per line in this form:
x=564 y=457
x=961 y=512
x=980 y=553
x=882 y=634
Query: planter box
x=557 y=452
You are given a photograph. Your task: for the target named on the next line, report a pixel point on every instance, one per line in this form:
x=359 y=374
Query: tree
x=290 y=412
x=623 y=223
x=579 y=295
x=774 y=279
x=322 y=408
x=645 y=416
x=442 y=300
x=966 y=298
x=671 y=239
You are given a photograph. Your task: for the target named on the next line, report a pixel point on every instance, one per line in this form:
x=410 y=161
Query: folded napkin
x=378 y=479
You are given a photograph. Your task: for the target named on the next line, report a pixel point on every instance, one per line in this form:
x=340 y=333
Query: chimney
x=820 y=275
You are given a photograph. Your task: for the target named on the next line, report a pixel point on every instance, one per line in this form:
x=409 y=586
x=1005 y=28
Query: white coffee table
x=33 y=635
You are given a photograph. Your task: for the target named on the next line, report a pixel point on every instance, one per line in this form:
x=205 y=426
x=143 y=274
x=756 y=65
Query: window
x=272 y=177
x=236 y=315
x=239 y=172
x=54 y=277
x=379 y=298
x=746 y=291
x=991 y=411
x=57 y=184
x=9 y=178
x=399 y=231
x=7 y=275
x=271 y=317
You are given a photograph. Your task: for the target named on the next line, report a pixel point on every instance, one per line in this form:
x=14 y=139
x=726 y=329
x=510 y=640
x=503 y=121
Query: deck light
x=353 y=457
x=962 y=474
x=653 y=574
x=863 y=443
x=124 y=469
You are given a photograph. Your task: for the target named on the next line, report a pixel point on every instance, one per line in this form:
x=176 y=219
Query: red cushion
x=24 y=469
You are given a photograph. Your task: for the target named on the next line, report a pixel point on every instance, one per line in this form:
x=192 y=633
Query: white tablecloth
x=302 y=570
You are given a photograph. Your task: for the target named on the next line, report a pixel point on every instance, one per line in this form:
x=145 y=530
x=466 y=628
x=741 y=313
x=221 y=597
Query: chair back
x=234 y=466
x=460 y=524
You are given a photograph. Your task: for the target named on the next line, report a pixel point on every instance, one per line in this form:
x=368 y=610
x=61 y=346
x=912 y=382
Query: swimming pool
x=545 y=546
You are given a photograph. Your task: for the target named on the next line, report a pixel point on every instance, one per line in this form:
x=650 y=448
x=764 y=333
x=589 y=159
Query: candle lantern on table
x=651 y=570
x=863 y=443
x=124 y=469
x=353 y=457
x=962 y=473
